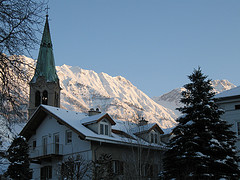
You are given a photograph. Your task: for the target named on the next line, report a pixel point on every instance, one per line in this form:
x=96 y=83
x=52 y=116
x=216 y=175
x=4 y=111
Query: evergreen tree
x=19 y=161
x=203 y=146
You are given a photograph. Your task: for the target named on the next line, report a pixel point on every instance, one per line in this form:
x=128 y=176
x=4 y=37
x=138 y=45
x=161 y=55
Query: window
x=37 y=99
x=101 y=128
x=56 y=99
x=237 y=106
x=104 y=128
x=238 y=128
x=44 y=145
x=68 y=137
x=154 y=137
x=34 y=144
x=56 y=143
x=46 y=172
x=117 y=167
x=45 y=98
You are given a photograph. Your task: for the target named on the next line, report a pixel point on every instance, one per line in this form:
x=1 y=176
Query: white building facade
x=55 y=134
x=229 y=101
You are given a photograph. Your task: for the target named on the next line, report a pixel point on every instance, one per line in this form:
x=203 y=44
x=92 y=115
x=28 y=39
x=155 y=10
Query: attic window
x=237 y=106
x=104 y=128
x=154 y=137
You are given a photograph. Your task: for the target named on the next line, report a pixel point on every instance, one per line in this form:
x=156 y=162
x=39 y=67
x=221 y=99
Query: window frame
x=34 y=144
x=154 y=138
x=67 y=139
x=46 y=172
x=238 y=128
x=118 y=167
x=104 y=128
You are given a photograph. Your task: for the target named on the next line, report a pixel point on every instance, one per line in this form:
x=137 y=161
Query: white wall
x=48 y=128
x=231 y=115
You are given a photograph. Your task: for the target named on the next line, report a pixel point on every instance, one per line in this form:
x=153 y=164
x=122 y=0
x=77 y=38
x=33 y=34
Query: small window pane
x=106 y=129
x=151 y=138
x=34 y=144
x=68 y=136
x=156 y=139
x=238 y=128
x=101 y=128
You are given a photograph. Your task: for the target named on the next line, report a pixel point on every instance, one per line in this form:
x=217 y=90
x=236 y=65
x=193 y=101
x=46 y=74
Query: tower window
x=56 y=99
x=45 y=97
x=37 y=99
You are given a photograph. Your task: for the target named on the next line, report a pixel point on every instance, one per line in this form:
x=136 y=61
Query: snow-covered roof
x=145 y=128
x=229 y=93
x=76 y=121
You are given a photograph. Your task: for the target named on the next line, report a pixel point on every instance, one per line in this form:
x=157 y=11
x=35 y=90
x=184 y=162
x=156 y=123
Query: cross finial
x=47 y=8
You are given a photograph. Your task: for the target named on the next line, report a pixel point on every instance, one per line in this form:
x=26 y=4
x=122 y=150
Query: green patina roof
x=45 y=62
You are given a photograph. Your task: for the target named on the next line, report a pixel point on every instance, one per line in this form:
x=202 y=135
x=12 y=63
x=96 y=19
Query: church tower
x=44 y=86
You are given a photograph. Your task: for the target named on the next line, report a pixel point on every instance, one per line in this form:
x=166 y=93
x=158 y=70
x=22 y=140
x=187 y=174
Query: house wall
x=48 y=128
x=94 y=127
x=231 y=115
x=130 y=155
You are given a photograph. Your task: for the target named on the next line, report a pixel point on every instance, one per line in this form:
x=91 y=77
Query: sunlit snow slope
x=84 y=89
x=171 y=100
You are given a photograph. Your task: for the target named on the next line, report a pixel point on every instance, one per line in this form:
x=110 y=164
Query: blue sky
x=153 y=43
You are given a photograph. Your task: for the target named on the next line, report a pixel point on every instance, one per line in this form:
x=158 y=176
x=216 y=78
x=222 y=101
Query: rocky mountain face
x=171 y=100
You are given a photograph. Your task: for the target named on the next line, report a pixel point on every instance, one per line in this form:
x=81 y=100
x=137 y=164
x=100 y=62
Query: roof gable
x=97 y=118
x=147 y=128
x=38 y=117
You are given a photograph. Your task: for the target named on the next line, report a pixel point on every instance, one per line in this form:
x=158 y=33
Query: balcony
x=45 y=152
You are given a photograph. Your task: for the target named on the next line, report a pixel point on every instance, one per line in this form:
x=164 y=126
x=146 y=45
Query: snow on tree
x=19 y=160
x=203 y=146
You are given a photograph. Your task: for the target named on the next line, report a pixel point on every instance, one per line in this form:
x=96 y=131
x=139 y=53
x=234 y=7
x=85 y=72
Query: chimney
x=93 y=112
x=142 y=122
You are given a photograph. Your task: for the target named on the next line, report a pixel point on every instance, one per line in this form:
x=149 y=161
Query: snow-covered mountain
x=85 y=89
x=171 y=100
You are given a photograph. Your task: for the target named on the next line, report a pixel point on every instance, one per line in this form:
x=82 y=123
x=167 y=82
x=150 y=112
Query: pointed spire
x=45 y=62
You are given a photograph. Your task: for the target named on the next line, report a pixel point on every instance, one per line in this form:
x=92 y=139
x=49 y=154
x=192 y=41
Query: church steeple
x=44 y=86
x=45 y=62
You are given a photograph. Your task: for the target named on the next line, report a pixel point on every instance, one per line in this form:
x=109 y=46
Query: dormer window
x=154 y=137
x=104 y=128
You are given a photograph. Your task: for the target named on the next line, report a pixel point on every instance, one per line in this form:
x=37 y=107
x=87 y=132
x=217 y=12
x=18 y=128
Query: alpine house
x=56 y=136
